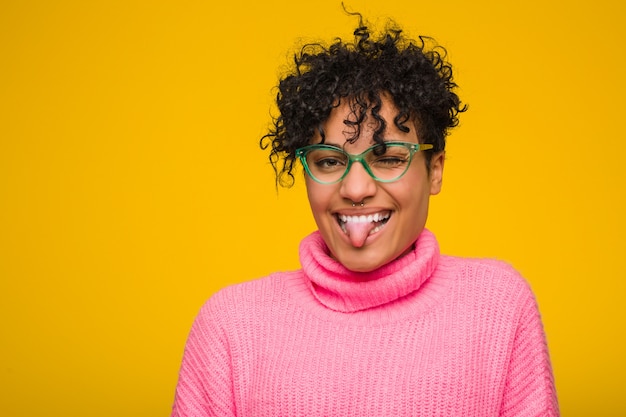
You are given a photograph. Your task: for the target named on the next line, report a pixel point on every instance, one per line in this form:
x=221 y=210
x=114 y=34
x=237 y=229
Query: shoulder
x=489 y=279
x=483 y=270
x=247 y=299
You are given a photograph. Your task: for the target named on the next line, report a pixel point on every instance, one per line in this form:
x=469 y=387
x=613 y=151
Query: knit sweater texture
x=425 y=335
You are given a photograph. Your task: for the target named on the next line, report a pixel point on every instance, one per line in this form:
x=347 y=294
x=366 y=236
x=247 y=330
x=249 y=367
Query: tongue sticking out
x=359 y=231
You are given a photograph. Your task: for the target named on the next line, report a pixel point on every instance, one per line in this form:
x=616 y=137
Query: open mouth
x=363 y=225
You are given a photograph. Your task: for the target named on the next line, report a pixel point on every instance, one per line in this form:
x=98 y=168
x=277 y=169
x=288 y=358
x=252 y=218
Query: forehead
x=342 y=128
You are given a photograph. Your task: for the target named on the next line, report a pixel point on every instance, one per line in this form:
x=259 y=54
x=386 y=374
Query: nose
x=357 y=185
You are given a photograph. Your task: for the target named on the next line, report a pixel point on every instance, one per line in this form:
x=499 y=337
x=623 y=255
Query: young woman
x=376 y=322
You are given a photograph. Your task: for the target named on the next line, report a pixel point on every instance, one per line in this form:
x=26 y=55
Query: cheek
x=413 y=197
x=319 y=197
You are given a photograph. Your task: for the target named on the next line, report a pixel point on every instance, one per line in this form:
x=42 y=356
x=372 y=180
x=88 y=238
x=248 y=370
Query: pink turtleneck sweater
x=426 y=335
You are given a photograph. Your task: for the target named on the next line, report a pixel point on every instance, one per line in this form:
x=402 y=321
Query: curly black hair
x=413 y=74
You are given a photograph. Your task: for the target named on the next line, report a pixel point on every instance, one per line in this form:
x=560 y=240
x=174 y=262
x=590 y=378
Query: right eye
x=324 y=160
x=329 y=163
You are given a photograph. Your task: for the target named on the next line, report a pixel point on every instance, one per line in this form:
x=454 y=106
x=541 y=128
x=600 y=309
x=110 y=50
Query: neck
x=343 y=290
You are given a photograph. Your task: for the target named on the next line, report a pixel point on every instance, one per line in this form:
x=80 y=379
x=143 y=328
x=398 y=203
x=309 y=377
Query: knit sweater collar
x=343 y=290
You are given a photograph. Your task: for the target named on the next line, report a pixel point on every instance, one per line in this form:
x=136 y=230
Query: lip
x=388 y=213
x=359 y=211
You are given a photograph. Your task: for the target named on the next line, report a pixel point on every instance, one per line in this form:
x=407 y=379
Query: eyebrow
x=332 y=144
x=342 y=147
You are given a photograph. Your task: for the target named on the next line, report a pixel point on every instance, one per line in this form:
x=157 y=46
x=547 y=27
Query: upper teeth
x=364 y=219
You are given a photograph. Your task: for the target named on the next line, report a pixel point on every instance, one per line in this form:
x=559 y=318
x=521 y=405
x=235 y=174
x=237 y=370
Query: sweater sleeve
x=529 y=389
x=205 y=385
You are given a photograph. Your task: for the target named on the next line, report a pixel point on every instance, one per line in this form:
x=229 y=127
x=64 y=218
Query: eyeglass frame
x=302 y=152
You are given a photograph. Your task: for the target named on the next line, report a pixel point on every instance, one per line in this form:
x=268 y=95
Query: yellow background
x=132 y=186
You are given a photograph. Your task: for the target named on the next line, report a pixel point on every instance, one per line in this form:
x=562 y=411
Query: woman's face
x=402 y=205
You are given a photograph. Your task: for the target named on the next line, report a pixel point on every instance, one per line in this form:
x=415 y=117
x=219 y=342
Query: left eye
x=389 y=160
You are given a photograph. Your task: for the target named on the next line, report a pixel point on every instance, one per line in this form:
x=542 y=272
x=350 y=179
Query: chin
x=361 y=261
x=368 y=259
x=360 y=267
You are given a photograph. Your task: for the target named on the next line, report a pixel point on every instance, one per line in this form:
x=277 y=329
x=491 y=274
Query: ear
x=436 y=172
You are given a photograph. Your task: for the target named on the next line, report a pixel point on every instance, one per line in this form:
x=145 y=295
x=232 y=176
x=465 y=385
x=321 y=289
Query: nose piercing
x=362 y=203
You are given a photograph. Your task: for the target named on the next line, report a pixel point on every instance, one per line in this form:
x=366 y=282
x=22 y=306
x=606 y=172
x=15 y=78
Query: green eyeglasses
x=329 y=164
